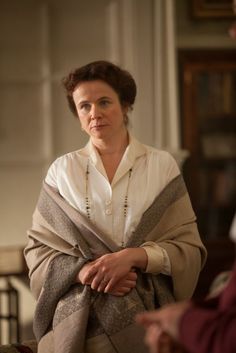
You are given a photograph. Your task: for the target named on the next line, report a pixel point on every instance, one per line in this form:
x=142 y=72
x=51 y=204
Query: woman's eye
x=104 y=103
x=85 y=107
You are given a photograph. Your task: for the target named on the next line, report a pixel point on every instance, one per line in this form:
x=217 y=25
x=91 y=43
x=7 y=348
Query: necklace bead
x=87 y=201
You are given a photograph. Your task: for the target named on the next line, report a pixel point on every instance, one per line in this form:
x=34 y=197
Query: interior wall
x=39 y=43
x=43 y=42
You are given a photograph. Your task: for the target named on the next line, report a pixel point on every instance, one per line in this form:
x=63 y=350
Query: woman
x=113 y=232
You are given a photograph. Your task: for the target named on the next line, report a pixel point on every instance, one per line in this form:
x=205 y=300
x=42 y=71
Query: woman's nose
x=95 y=112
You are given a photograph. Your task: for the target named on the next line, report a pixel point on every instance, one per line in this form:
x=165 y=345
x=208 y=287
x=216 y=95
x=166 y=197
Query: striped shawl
x=62 y=240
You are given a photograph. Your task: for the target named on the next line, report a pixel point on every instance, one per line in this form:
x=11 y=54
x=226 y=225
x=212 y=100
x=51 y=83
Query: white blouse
x=152 y=170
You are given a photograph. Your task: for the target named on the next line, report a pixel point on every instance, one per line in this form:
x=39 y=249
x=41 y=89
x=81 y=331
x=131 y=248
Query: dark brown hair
x=120 y=80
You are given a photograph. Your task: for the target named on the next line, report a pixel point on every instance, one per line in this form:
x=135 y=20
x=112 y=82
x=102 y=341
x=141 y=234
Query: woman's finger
x=102 y=285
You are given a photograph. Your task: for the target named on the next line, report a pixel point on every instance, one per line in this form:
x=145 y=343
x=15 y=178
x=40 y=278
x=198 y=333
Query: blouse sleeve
x=158 y=259
x=51 y=176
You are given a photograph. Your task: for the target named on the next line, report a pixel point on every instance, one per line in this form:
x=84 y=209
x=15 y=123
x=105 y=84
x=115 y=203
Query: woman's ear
x=126 y=119
x=125 y=109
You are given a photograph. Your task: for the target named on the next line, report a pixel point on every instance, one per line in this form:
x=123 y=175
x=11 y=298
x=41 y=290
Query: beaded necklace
x=87 y=201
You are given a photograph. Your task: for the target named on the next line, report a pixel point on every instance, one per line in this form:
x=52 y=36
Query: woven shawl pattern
x=61 y=301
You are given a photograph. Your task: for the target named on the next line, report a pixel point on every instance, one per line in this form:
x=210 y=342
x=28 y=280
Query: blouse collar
x=134 y=150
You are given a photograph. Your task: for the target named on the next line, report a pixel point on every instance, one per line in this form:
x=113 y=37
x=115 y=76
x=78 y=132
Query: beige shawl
x=62 y=240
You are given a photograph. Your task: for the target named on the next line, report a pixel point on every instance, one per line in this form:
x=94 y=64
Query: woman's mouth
x=98 y=126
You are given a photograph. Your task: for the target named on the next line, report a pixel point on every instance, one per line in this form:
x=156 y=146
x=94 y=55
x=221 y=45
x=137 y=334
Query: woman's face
x=100 y=112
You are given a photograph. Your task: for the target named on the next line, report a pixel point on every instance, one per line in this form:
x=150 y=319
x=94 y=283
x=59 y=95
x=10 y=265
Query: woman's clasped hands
x=110 y=273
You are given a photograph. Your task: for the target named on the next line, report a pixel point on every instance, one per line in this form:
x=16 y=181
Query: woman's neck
x=113 y=146
x=111 y=153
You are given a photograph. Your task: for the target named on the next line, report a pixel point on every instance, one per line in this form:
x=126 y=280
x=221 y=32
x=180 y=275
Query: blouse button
x=108 y=211
x=108 y=202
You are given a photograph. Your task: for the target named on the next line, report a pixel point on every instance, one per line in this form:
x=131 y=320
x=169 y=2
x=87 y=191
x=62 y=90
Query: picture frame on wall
x=212 y=8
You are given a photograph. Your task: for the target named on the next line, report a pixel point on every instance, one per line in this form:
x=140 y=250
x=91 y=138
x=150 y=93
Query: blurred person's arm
x=209 y=326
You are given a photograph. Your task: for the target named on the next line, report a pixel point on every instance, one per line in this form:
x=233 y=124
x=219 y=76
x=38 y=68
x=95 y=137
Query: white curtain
x=166 y=109
x=141 y=37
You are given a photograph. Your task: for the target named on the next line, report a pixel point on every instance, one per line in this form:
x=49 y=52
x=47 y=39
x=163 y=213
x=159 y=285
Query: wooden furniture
x=9 y=313
x=12 y=263
x=25 y=347
x=212 y=9
x=208 y=110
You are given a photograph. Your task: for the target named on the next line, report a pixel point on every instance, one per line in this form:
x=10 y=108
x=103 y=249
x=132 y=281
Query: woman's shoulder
x=69 y=157
x=159 y=154
x=162 y=163
x=64 y=164
x=155 y=156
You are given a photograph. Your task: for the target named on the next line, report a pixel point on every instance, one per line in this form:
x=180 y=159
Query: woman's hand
x=122 y=287
x=82 y=276
x=125 y=285
x=109 y=273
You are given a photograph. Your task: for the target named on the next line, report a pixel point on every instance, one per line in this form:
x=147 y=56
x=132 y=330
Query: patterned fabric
x=62 y=240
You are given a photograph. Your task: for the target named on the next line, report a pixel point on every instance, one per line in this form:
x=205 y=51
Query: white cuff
x=158 y=259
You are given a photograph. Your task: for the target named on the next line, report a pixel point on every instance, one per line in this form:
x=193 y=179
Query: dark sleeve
x=211 y=325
